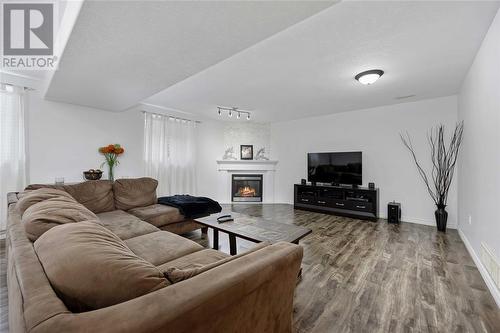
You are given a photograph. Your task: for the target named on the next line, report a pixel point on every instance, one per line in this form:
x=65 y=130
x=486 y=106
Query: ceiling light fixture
x=369 y=77
x=232 y=110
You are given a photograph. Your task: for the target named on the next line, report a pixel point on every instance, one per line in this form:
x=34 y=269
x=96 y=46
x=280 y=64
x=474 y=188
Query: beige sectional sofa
x=211 y=291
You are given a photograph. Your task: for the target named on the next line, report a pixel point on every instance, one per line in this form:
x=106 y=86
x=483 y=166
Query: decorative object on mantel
x=229 y=154
x=246 y=152
x=92 y=174
x=233 y=111
x=443 y=160
x=260 y=156
x=111 y=153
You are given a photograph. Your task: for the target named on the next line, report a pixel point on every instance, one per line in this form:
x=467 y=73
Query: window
x=169 y=153
x=12 y=144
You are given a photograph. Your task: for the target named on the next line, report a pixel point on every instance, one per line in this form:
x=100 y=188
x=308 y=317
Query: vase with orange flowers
x=111 y=153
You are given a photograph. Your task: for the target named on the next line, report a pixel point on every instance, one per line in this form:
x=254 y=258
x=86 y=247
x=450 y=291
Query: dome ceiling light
x=369 y=77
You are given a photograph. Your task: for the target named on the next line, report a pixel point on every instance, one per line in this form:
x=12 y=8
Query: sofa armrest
x=253 y=293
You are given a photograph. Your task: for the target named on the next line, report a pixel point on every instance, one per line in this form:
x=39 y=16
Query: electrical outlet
x=470 y=219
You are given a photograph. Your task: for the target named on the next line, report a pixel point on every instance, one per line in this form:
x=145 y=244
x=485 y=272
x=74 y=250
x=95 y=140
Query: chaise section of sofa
x=251 y=293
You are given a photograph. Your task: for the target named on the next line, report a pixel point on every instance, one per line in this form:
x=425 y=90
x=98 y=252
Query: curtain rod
x=166 y=115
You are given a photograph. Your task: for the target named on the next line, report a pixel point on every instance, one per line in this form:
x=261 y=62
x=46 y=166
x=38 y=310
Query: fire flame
x=246 y=191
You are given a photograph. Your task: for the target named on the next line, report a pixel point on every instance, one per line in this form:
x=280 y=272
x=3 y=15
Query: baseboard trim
x=482 y=270
x=431 y=223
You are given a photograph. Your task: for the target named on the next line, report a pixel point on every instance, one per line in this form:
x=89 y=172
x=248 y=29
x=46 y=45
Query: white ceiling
x=121 y=52
x=425 y=49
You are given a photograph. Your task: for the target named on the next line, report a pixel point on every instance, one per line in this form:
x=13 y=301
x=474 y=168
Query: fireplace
x=246 y=188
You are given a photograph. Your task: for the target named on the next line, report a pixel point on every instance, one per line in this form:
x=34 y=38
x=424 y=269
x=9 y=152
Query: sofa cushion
x=107 y=273
x=132 y=193
x=176 y=274
x=182 y=227
x=96 y=195
x=194 y=260
x=158 y=215
x=44 y=215
x=161 y=246
x=125 y=225
x=29 y=198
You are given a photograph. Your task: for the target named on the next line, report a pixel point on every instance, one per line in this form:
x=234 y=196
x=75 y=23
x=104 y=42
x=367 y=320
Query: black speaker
x=394 y=212
x=303 y=181
x=371 y=186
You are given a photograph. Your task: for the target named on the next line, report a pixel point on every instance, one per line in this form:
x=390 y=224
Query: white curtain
x=169 y=153
x=12 y=145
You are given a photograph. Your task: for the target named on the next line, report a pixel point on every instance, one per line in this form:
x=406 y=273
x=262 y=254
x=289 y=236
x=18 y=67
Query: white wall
x=375 y=132
x=247 y=133
x=479 y=164
x=210 y=148
x=63 y=140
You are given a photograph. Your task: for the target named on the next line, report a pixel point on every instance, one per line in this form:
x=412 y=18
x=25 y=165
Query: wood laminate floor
x=363 y=276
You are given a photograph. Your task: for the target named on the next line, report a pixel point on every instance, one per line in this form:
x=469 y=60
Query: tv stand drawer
x=306 y=200
x=361 y=206
x=339 y=204
x=322 y=202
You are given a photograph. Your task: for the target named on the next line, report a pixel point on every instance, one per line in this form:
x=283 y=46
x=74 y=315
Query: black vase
x=441 y=217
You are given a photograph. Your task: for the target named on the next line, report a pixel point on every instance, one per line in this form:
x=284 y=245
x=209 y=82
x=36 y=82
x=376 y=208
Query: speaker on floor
x=394 y=212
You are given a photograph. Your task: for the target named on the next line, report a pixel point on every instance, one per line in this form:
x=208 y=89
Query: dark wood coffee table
x=251 y=228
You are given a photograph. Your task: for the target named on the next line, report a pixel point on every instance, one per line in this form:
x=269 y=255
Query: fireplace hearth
x=246 y=188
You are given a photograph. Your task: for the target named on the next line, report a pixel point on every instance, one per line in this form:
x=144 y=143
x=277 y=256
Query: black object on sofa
x=191 y=207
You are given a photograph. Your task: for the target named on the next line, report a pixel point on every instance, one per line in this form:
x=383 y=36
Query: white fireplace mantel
x=246 y=165
x=227 y=168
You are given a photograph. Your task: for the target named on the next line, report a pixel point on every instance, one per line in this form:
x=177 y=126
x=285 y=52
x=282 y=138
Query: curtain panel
x=12 y=144
x=169 y=153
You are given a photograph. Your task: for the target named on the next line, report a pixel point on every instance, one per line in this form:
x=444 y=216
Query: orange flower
x=112 y=149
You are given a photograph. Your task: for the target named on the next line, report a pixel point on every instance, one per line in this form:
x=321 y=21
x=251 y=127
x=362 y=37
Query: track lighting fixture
x=232 y=110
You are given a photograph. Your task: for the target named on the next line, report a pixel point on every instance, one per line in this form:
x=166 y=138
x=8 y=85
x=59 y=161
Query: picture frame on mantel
x=246 y=152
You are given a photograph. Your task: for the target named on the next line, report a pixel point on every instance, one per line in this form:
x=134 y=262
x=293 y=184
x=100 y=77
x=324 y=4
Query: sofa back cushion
x=29 y=198
x=89 y=267
x=132 y=193
x=96 y=195
x=44 y=215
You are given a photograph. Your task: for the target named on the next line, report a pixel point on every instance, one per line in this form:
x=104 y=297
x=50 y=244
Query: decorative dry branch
x=444 y=160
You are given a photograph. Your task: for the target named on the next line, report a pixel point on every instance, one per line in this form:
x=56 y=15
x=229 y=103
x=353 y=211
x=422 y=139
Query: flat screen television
x=336 y=168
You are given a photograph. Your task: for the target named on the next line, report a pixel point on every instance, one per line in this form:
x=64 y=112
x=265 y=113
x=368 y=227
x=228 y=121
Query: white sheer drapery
x=169 y=153
x=12 y=144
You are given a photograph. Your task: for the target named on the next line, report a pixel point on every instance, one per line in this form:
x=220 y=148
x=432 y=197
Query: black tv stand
x=356 y=202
